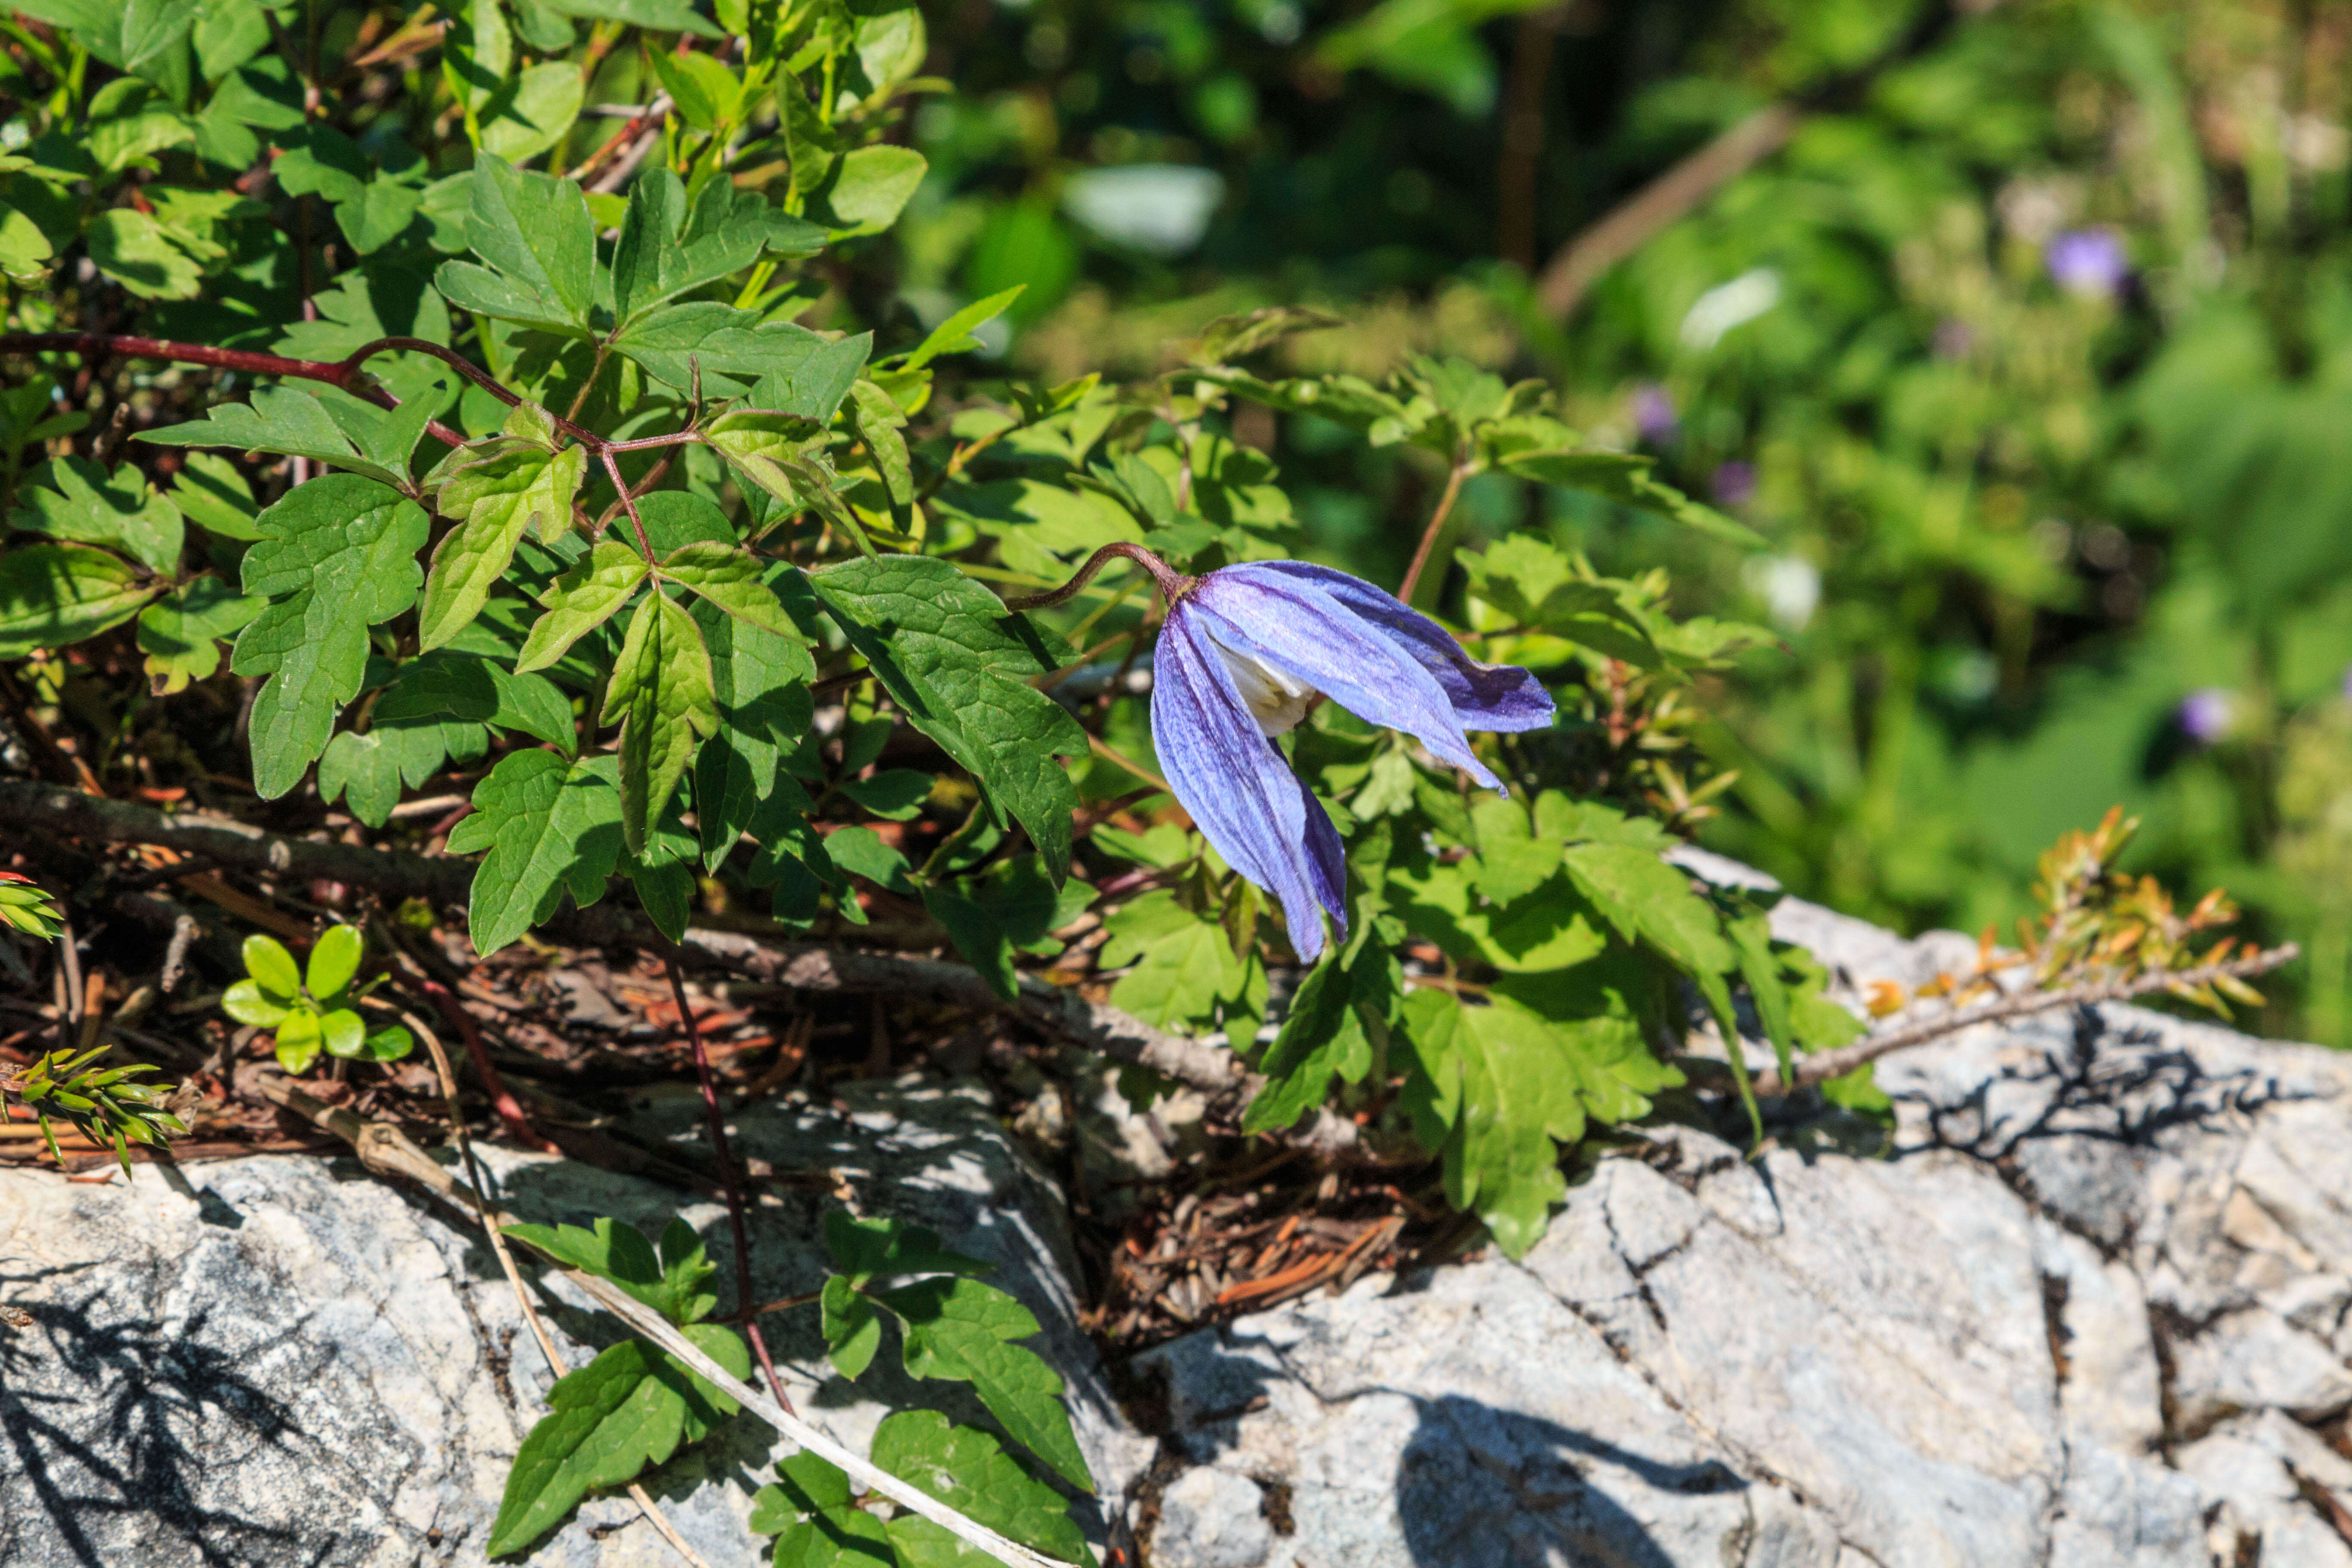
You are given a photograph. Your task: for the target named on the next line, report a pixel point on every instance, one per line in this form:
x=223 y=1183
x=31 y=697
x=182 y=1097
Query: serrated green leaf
x=662 y=696
x=1185 y=961
x=960 y=1330
x=1648 y=901
x=181 y=634
x=530 y=114
x=959 y=665
x=732 y=579
x=969 y=1471
x=1323 y=1038
x=815 y=1522
x=583 y=598
x=607 y=1423
x=882 y=1247
x=493 y=501
x=336 y=556
x=131 y=248
x=211 y=493
x=1751 y=941
x=296 y=423
x=1497 y=1070
x=736 y=351
x=77 y=502
x=852 y=1331
x=550 y=828
x=879 y=420
x=535 y=232
x=760 y=683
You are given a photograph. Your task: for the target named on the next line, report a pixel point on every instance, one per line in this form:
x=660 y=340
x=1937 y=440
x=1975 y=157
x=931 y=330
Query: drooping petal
x=1238 y=788
x=1294 y=626
x=1484 y=696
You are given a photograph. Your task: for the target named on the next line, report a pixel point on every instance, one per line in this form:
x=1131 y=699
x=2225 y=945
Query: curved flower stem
x=1173 y=586
x=1437 y=525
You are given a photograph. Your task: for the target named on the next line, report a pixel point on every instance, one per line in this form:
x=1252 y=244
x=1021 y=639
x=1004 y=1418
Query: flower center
x=1275 y=699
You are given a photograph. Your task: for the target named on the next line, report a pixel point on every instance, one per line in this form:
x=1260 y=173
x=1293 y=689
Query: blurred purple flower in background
x=1733 y=483
x=1654 y=413
x=2204 y=715
x=2087 y=262
x=1246 y=652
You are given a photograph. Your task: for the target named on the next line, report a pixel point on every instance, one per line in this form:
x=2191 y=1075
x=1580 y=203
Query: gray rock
x=283 y=1361
x=2090 y=1313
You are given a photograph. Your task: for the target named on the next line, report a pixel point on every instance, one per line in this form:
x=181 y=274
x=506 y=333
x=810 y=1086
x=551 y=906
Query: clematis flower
x=1245 y=654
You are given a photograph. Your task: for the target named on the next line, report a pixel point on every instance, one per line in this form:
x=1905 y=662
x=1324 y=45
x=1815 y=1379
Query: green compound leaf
x=493 y=501
x=1491 y=1078
x=535 y=232
x=959 y=1329
x=669 y=244
x=731 y=579
x=959 y=665
x=579 y=601
x=661 y=693
x=52 y=595
x=1648 y=901
x=737 y=350
x=550 y=828
x=969 y=1471
x=762 y=683
x=629 y=1409
x=815 y=1522
x=181 y=634
x=336 y=556
x=80 y=503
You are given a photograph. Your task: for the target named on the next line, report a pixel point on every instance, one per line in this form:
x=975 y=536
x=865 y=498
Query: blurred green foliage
x=2028 y=353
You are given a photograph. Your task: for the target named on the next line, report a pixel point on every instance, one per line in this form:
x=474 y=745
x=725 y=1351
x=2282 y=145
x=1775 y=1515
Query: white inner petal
x=1275 y=699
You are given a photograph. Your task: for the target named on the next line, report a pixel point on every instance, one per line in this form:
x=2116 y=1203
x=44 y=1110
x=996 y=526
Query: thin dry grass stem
x=448 y=1079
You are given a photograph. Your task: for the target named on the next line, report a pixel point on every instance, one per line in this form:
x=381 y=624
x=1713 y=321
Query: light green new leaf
x=959 y=665
x=336 y=556
x=25 y=250
x=494 y=501
x=550 y=828
x=661 y=693
x=335 y=958
x=969 y=1471
x=708 y=95
x=960 y=1330
x=731 y=579
x=181 y=633
x=579 y=601
x=75 y=501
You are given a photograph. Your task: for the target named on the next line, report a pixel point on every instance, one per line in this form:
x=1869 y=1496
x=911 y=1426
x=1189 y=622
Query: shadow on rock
x=123 y=1417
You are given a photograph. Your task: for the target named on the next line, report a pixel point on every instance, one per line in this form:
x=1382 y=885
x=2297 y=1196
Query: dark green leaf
x=960 y=1330
x=336 y=556
x=661 y=694
x=550 y=828
x=969 y=1471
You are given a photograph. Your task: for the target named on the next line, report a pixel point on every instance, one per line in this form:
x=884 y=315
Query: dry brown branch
x=1827 y=1065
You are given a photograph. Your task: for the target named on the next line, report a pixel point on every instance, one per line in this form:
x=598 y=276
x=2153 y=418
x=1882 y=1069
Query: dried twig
x=1828 y=1065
